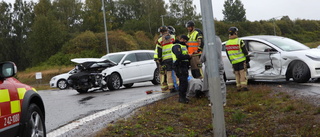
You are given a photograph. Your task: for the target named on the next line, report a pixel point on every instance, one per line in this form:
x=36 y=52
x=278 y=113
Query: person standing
x=195 y=46
x=237 y=54
x=165 y=60
x=181 y=66
x=203 y=59
x=158 y=50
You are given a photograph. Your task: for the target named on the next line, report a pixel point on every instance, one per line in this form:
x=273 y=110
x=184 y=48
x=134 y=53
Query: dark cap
x=184 y=37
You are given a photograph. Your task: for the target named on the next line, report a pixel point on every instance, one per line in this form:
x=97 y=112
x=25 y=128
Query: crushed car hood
x=82 y=60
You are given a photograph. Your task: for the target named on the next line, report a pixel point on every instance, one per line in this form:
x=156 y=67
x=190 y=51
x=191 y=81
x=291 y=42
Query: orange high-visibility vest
x=193 y=44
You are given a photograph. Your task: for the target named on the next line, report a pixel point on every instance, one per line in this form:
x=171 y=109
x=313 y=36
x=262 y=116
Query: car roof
x=131 y=51
x=262 y=37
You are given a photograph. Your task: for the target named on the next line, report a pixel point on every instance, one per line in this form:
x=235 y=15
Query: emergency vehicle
x=21 y=107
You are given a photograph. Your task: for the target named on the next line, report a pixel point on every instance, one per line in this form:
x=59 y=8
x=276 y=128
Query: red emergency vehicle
x=21 y=107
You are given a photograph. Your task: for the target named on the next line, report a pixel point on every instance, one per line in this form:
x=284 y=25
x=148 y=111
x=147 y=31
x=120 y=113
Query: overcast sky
x=266 y=9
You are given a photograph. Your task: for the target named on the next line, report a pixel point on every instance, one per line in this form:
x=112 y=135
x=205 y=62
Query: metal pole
x=162 y=20
x=105 y=25
x=274 y=27
x=212 y=69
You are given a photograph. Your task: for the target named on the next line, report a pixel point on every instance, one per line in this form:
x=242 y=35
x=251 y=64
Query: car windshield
x=287 y=44
x=114 y=57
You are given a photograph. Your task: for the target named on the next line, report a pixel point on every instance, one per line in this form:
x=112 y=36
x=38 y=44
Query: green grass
x=260 y=112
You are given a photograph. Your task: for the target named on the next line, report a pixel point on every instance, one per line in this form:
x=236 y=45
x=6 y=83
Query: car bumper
x=53 y=84
x=314 y=69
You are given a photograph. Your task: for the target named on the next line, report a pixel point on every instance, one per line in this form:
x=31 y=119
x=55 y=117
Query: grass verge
x=262 y=111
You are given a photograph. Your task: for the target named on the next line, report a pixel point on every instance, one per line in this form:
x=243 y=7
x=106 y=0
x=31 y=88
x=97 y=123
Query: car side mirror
x=126 y=62
x=8 y=69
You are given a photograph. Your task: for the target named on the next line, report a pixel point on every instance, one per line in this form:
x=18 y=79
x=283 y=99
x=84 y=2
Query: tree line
x=53 y=32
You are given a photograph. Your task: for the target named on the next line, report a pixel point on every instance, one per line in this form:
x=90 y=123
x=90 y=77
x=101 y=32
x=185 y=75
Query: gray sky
x=266 y=9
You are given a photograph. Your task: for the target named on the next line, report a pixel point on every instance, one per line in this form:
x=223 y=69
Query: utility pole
x=105 y=25
x=212 y=69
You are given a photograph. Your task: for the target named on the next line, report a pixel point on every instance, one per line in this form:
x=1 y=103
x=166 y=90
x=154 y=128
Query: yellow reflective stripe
x=5 y=97
x=15 y=106
x=34 y=89
x=21 y=92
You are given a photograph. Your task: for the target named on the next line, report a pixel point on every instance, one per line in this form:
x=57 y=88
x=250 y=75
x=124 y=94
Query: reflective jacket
x=193 y=44
x=158 y=50
x=166 y=51
x=180 y=53
x=234 y=50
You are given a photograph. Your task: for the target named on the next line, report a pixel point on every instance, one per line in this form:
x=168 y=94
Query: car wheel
x=156 y=77
x=128 y=85
x=114 y=81
x=82 y=90
x=62 y=84
x=300 y=72
x=35 y=126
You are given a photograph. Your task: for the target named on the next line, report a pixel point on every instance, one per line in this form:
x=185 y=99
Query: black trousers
x=182 y=73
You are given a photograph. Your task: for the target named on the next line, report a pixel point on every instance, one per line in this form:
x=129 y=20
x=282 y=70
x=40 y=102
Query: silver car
x=275 y=57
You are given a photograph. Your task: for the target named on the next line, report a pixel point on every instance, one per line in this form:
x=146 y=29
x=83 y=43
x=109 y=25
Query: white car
x=274 y=57
x=60 y=81
x=132 y=67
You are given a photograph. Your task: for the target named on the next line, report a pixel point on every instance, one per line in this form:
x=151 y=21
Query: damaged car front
x=88 y=74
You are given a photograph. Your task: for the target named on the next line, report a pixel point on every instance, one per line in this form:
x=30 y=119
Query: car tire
x=62 y=84
x=114 y=81
x=156 y=77
x=35 y=122
x=300 y=72
x=82 y=91
x=128 y=85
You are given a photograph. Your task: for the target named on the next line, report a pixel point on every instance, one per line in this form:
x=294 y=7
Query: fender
x=29 y=98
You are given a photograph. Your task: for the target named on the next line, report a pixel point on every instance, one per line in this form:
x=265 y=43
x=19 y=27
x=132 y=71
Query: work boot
x=238 y=89
x=183 y=100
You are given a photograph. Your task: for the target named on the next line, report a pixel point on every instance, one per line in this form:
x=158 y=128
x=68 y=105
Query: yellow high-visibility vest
x=234 y=51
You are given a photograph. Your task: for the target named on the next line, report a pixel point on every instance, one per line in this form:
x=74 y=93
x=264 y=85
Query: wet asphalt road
x=65 y=106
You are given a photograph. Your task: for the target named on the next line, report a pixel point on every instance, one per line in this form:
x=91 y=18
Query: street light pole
x=274 y=24
x=212 y=68
x=162 y=20
x=105 y=25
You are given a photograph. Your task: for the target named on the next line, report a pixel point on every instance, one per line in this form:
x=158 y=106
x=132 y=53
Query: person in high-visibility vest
x=181 y=66
x=195 y=46
x=164 y=56
x=158 y=50
x=237 y=54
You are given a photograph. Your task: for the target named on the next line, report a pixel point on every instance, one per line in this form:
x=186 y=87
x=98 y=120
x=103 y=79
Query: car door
x=265 y=61
x=146 y=66
x=129 y=68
